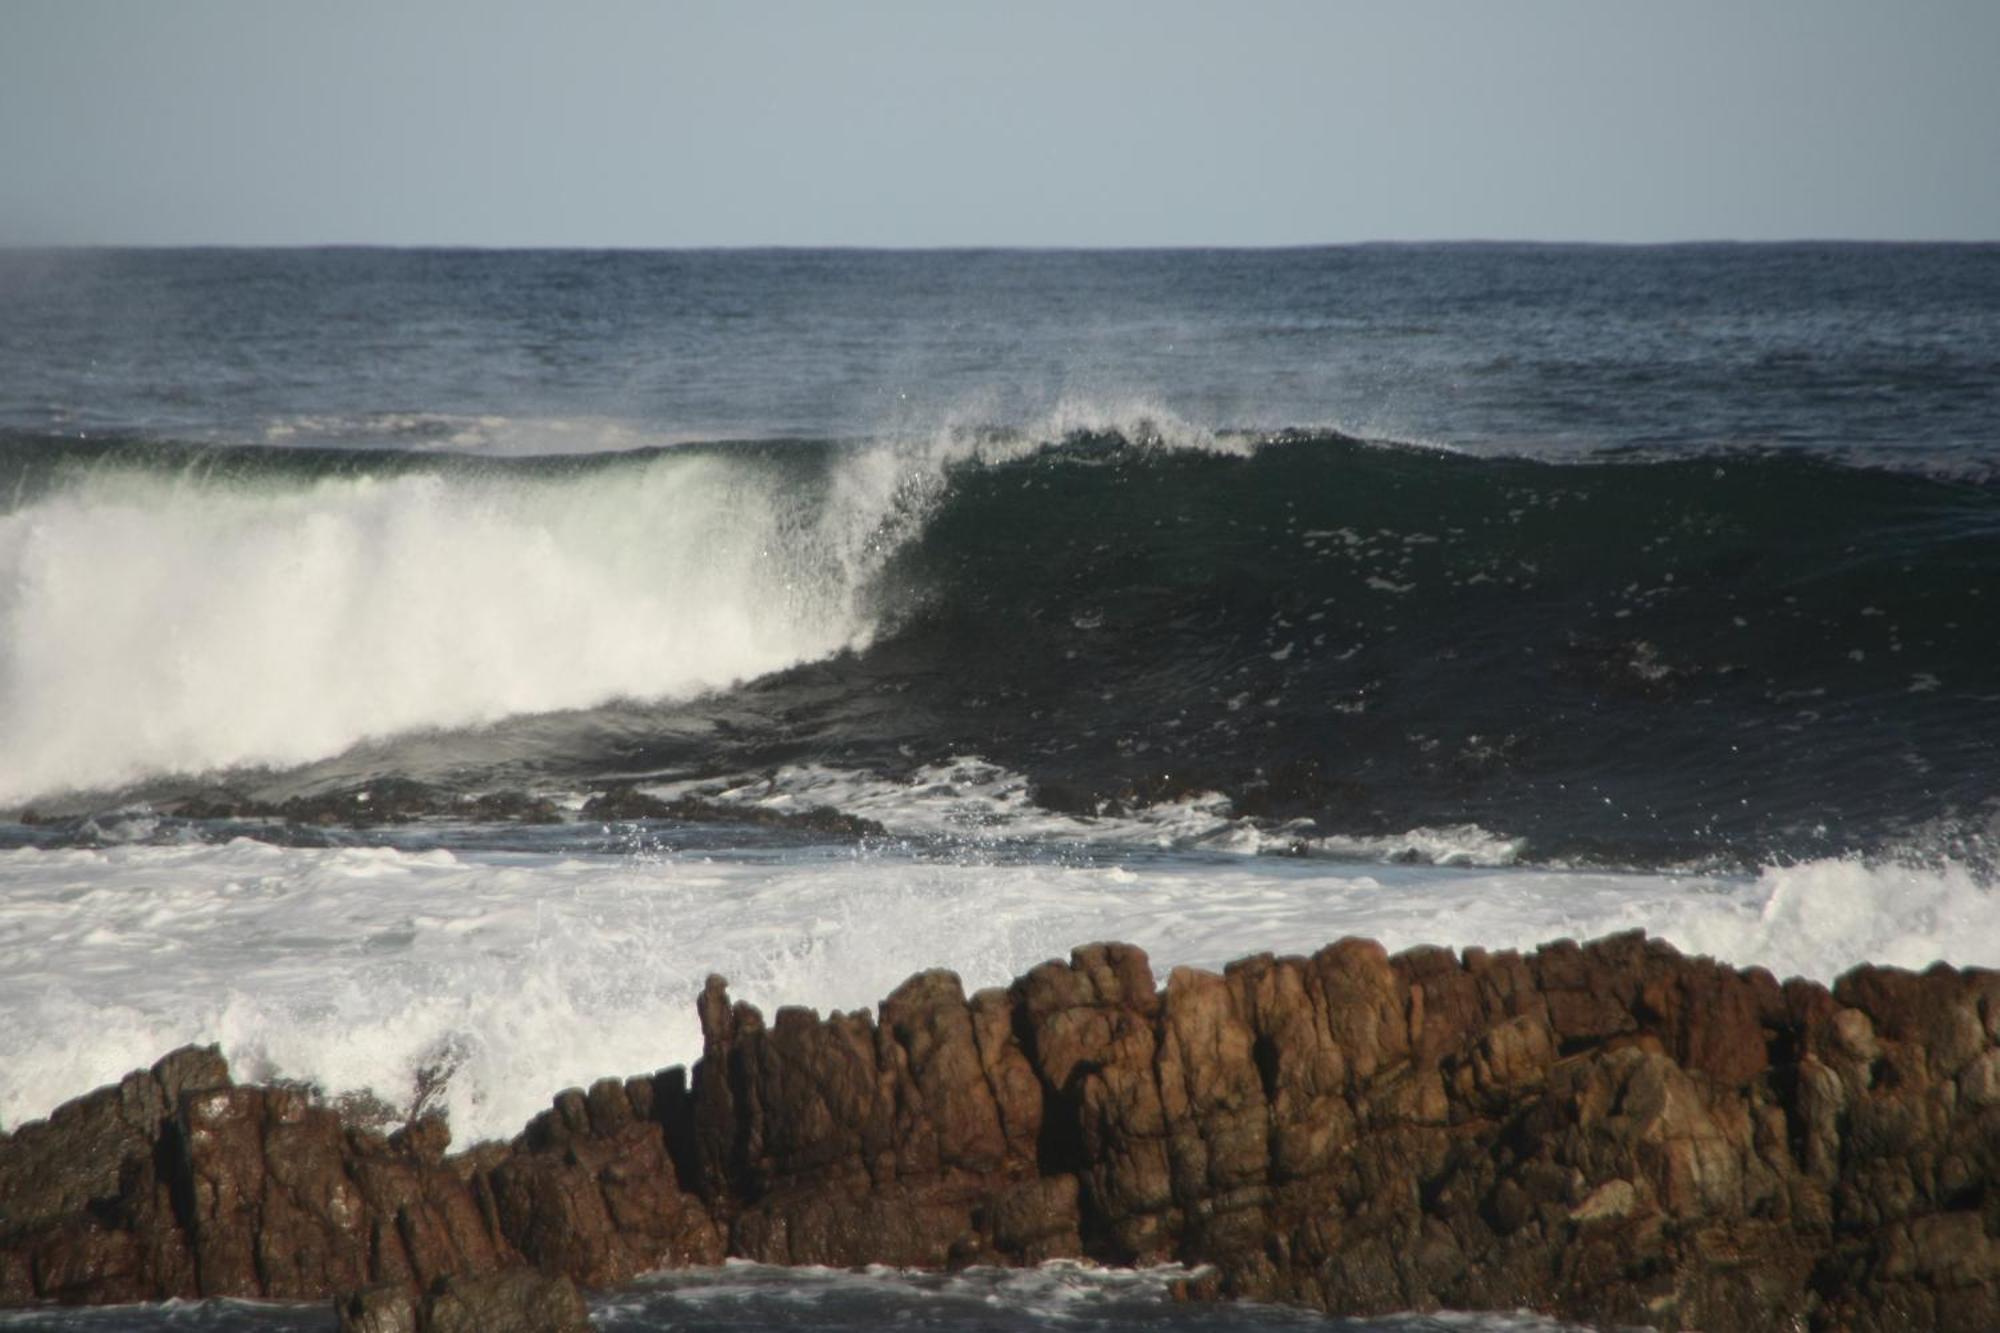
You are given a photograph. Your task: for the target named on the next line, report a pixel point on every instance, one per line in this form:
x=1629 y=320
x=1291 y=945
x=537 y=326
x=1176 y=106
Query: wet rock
x=517 y=1301
x=85 y=1213
x=624 y=803
x=389 y=1307
x=598 y=1197
x=386 y=801
x=508 y=807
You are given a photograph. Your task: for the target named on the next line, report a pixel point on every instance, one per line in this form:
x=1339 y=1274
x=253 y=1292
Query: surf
x=1626 y=661
x=208 y=617
x=493 y=977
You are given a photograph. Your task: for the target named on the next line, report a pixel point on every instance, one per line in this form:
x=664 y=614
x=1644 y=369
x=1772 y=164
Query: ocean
x=420 y=669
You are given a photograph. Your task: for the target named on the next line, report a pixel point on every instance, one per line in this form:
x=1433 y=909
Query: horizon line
x=976 y=247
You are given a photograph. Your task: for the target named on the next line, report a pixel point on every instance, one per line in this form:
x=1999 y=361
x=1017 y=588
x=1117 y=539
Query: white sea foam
x=1056 y=1294
x=152 y=623
x=966 y=799
x=357 y=968
x=969 y=801
x=1142 y=422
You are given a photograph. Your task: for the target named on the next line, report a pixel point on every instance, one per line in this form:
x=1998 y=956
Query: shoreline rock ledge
x=1608 y=1132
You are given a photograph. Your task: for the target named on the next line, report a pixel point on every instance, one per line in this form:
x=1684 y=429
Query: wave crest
x=165 y=623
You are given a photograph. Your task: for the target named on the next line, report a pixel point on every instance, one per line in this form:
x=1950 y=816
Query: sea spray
x=165 y=623
x=368 y=970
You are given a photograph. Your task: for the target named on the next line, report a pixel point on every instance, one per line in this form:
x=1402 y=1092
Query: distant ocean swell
x=1624 y=659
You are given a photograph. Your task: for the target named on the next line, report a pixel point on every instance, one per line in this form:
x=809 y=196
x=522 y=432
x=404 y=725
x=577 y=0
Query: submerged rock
x=1608 y=1132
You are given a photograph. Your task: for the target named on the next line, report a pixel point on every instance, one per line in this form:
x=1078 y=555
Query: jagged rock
x=519 y=1300
x=387 y=1307
x=84 y=1216
x=1608 y=1131
x=590 y=1190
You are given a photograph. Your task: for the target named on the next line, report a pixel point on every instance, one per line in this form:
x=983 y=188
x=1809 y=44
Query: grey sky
x=1246 y=123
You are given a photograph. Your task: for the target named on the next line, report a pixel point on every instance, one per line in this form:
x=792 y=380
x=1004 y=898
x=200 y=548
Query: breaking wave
x=1636 y=661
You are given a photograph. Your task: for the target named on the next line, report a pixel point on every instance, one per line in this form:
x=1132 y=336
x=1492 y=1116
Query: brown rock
x=952 y=1119
x=1608 y=1131
x=389 y=1307
x=517 y=1301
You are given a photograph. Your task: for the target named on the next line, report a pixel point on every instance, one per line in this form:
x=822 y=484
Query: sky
x=1083 y=122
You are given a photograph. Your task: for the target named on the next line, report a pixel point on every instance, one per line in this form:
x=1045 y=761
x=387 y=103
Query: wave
x=268 y=611
x=1629 y=660
x=173 y=608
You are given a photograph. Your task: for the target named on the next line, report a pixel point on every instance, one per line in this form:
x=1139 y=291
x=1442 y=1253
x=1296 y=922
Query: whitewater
x=179 y=624
x=504 y=976
x=187 y=614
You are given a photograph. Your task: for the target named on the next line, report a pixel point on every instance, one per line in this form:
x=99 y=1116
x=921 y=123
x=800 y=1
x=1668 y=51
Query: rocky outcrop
x=515 y=1300
x=1610 y=1132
